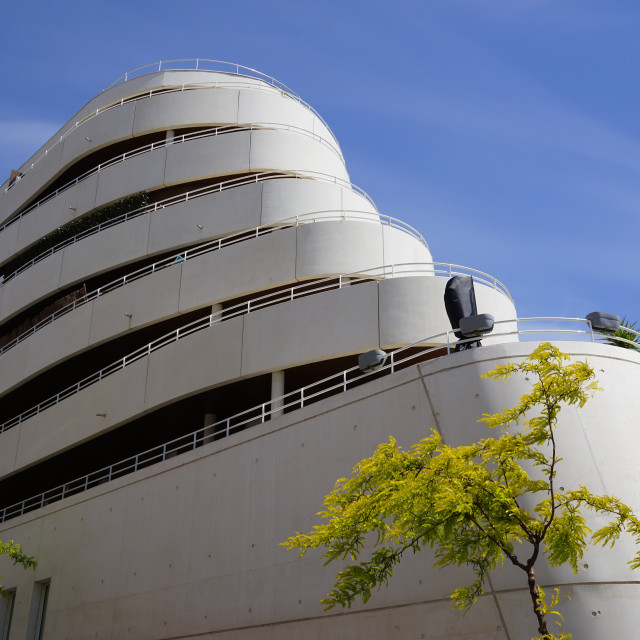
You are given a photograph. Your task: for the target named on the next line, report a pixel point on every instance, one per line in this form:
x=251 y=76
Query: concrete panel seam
x=591 y=453
x=146 y=387
x=242 y=345
x=295 y=257
x=379 y=312
x=428 y=396
x=180 y=266
x=496 y=601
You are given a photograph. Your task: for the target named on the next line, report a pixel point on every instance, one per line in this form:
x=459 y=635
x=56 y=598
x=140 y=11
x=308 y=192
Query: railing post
x=228 y=427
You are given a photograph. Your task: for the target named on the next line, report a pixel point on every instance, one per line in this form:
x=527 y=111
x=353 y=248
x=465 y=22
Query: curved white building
x=188 y=276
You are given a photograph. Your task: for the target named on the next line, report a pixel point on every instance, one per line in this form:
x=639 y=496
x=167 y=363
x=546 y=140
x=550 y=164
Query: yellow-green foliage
x=14 y=551
x=468 y=502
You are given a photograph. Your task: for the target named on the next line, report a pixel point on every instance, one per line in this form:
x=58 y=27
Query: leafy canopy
x=475 y=505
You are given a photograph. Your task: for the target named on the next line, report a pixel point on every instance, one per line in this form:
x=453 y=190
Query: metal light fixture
x=477 y=325
x=101 y=415
x=372 y=360
x=605 y=322
x=129 y=315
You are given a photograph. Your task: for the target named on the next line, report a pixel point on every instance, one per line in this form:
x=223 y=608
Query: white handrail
x=260 y=302
x=24 y=169
x=336 y=383
x=200 y=64
x=161 y=144
x=183 y=197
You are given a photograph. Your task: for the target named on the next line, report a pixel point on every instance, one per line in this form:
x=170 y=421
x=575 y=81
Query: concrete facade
x=211 y=303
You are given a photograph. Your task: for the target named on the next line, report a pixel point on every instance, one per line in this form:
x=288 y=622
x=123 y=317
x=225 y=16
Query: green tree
x=476 y=505
x=13 y=551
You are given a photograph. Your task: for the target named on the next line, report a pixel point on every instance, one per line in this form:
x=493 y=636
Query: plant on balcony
x=478 y=505
x=75 y=227
x=629 y=335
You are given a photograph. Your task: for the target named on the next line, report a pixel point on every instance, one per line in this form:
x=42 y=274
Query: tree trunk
x=537 y=603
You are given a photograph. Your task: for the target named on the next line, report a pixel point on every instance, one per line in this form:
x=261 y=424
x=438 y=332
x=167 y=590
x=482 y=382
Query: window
x=38 y=610
x=6 y=612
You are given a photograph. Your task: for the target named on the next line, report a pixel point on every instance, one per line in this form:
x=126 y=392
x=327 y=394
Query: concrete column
x=214 y=309
x=277 y=389
x=171 y=134
x=209 y=430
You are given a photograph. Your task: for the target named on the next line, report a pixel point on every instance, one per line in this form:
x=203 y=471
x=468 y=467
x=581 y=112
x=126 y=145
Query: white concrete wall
x=189 y=547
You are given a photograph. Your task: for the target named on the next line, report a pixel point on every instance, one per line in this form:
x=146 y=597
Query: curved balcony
x=171 y=225
x=522 y=329
x=393 y=326
x=242 y=83
x=216 y=245
x=178 y=139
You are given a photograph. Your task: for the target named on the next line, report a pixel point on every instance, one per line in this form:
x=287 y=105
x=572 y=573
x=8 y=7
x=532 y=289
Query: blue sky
x=506 y=131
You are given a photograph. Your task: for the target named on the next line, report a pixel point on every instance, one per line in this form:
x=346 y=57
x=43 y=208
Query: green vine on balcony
x=76 y=226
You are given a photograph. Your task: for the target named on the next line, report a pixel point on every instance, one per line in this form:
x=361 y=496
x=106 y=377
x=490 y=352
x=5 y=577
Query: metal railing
x=25 y=168
x=199 y=64
x=214 y=245
x=243 y=308
x=207 y=64
x=337 y=383
x=187 y=137
x=184 y=197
